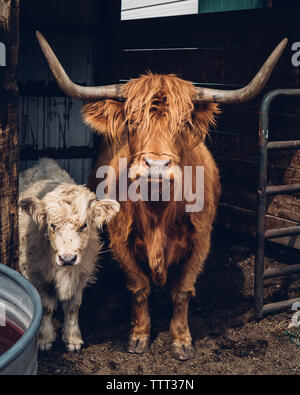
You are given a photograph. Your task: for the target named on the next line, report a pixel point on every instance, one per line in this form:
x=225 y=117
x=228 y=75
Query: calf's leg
x=47 y=333
x=71 y=334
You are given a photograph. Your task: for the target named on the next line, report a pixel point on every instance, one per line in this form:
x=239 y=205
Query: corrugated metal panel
x=229 y=5
x=52 y=122
x=55 y=122
x=133 y=4
x=134 y=9
x=74 y=52
x=141 y=9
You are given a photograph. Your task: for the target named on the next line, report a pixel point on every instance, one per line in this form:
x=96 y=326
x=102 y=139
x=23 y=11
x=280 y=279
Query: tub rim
x=11 y=354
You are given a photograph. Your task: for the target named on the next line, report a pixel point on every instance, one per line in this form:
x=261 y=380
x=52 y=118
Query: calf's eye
x=53 y=226
x=83 y=227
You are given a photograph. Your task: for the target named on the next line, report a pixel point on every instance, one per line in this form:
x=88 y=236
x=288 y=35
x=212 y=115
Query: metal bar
x=282 y=305
x=282 y=232
x=292 y=188
x=283 y=145
x=261 y=208
x=284 y=271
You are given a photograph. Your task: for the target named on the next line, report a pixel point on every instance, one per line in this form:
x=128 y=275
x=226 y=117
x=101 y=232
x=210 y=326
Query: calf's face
x=70 y=218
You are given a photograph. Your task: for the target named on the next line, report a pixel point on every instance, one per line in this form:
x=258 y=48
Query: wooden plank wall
x=82 y=34
x=48 y=121
x=9 y=136
x=226 y=50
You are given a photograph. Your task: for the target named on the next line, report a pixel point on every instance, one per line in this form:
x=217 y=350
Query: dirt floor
x=228 y=340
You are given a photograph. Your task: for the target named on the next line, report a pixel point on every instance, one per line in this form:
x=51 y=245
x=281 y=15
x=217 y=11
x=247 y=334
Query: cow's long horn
x=70 y=88
x=248 y=92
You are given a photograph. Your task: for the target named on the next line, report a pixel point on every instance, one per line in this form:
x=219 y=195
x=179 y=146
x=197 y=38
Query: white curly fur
x=59 y=218
x=45 y=169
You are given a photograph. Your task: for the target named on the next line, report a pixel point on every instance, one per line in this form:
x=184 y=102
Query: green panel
x=229 y=5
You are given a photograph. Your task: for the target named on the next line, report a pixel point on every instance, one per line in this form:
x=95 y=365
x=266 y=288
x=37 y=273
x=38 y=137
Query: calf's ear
x=35 y=208
x=104 y=210
x=105 y=117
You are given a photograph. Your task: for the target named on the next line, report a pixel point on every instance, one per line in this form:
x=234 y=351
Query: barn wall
x=217 y=49
x=9 y=133
x=82 y=36
x=48 y=121
x=141 y=9
x=225 y=50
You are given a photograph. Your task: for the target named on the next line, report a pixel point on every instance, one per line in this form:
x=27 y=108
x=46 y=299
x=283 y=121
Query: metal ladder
x=263 y=192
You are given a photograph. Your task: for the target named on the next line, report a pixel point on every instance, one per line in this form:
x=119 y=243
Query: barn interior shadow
x=220 y=301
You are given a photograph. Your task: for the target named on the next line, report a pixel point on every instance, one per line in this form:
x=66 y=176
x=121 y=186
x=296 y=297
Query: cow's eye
x=83 y=227
x=53 y=226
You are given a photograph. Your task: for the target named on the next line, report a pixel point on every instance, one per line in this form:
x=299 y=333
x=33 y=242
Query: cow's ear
x=104 y=210
x=35 y=208
x=106 y=117
x=204 y=116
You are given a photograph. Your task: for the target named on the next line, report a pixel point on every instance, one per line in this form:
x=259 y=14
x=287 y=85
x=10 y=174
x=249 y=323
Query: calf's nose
x=68 y=259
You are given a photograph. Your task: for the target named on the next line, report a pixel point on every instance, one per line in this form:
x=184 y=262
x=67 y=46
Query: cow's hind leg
x=139 y=339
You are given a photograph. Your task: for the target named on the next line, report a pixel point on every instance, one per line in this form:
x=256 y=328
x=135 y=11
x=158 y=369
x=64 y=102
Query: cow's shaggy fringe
x=153 y=101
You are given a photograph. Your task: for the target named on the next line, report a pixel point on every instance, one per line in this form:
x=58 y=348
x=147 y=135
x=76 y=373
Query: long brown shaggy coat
x=160 y=118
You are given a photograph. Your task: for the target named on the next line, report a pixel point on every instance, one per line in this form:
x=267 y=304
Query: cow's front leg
x=71 y=334
x=182 y=347
x=182 y=291
x=139 y=339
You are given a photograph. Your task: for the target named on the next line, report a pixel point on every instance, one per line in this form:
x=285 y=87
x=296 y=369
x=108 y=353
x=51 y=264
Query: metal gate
x=263 y=191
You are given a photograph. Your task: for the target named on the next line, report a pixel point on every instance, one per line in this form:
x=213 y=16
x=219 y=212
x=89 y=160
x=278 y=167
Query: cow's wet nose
x=68 y=259
x=148 y=162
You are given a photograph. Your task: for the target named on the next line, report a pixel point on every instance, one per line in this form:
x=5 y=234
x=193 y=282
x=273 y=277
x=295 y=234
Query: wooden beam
x=58 y=153
x=9 y=144
x=87 y=17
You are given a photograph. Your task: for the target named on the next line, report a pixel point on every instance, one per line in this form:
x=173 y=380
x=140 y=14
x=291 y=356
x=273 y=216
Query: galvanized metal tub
x=23 y=309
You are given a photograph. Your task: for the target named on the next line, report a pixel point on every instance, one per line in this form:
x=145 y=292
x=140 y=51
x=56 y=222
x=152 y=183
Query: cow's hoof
x=182 y=352
x=138 y=345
